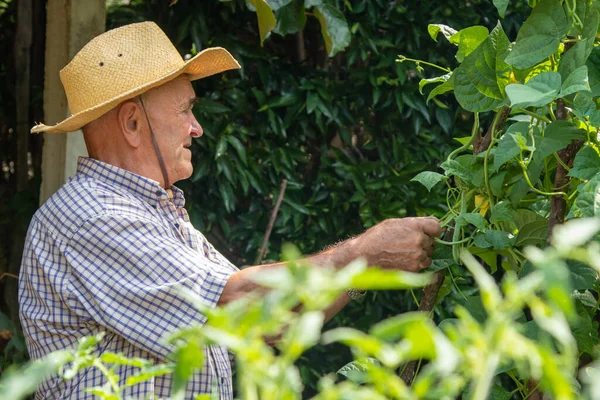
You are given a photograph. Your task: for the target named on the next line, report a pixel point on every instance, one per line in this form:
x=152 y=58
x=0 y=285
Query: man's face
x=169 y=109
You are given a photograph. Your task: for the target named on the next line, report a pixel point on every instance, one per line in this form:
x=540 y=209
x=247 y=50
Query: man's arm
x=402 y=244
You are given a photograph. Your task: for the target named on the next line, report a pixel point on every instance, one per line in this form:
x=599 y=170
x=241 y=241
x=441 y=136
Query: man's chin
x=184 y=172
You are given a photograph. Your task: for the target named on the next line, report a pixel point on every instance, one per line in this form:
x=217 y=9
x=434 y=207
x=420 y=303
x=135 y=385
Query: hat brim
x=206 y=63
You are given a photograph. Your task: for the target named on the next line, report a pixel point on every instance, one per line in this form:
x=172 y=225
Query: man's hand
x=405 y=243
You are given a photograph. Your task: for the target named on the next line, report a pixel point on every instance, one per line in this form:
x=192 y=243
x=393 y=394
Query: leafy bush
x=464 y=355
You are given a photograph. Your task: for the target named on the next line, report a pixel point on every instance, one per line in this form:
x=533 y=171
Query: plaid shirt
x=110 y=252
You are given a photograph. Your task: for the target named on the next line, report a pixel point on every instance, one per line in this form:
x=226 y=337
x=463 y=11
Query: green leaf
x=312 y=102
x=296 y=206
x=208 y=106
x=474 y=306
x=575 y=233
x=366 y=344
x=475 y=219
x=277 y=4
x=468 y=39
x=587 y=202
x=334 y=27
x=595 y=118
x=460 y=167
x=508 y=148
x=435 y=29
x=593 y=64
x=523 y=96
x=540 y=35
x=377 y=279
x=355 y=371
x=18 y=383
x=221 y=146
x=579 y=53
x=427 y=81
x=557 y=135
x=532 y=228
x=290 y=18
x=428 y=179
x=501 y=6
x=496 y=240
x=586 y=163
x=584 y=331
x=480 y=80
x=151 y=372
x=227 y=196
x=441 y=258
x=303 y=334
x=581 y=276
x=238 y=146
x=502 y=212
x=584 y=104
x=497 y=183
x=576 y=82
x=266 y=18
x=538 y=91
x=441 y=89
x=188 y=357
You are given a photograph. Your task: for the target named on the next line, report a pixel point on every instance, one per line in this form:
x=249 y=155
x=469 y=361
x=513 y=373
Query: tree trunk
x=23 y=40
x=22 y=54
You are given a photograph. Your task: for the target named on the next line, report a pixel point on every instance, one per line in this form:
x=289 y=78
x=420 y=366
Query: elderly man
x=112 y=249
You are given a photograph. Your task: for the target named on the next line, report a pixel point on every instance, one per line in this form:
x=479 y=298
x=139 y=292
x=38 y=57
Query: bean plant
x=531 y=161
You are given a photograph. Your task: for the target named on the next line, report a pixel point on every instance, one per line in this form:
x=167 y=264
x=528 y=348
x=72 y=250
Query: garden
x=485 y=114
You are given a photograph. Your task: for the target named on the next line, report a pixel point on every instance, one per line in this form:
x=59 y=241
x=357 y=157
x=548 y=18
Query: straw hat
x=123 y=63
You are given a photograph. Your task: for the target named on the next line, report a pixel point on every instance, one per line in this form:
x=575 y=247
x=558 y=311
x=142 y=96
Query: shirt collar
x=145 y=188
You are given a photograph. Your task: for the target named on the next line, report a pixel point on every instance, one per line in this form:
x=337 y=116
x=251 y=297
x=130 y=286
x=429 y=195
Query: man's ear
x=130 y=121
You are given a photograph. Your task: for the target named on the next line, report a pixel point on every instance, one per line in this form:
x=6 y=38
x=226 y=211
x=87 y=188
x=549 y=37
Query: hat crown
x=117 y=62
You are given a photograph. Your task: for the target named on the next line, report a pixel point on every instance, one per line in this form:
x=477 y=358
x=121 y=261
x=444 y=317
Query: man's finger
x=425 y=263
x=428 y=244
x=431 y=226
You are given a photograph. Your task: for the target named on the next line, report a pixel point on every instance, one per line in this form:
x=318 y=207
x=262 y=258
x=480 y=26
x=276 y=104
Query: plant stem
x=526 y=176
x=474 y=131
x=455 y=284
x=440 y=241
x=414 y=297
x=532 y=392
x=486 y=174
x=561 y=162
x=482 y=389
x=517 y=382
x=114 y=386
x=551 y=112
x=404 y=58
x=536 y=116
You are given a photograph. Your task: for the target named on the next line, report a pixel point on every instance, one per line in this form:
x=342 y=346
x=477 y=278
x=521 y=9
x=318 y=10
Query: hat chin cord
x=161 y=161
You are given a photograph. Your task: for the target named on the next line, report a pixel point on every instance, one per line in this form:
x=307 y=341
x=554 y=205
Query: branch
x=263 y=246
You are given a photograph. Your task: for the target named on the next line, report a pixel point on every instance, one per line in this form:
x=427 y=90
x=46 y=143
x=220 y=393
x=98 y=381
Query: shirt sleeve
x=129 y=275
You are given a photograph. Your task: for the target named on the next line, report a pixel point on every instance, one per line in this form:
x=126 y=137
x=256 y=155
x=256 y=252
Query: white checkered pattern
x=110 y=252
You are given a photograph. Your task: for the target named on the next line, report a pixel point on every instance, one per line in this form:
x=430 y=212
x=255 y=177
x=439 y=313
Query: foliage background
x=347 y=132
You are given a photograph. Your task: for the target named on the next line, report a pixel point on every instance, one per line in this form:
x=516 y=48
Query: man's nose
x=196 y=129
